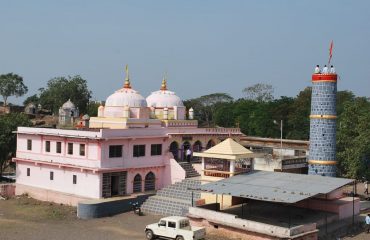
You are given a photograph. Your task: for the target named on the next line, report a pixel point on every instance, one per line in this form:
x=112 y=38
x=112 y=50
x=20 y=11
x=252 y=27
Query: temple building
x=134 y=145
x=68 y=113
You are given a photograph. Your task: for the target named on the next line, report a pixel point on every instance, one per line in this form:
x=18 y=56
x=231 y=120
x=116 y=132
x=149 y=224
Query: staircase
x=189 y=169
x=173 y=200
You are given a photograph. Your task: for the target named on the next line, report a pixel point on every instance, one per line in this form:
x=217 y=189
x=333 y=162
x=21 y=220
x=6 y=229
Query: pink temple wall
x=88 y=184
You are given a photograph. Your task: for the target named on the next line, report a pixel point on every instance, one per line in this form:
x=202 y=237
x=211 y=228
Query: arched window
x=137 y=184
x=210 y=144
x=150 y=182
x=174 y=149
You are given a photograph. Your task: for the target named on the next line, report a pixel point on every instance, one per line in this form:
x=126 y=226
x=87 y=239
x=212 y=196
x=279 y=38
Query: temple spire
x=164 y=82
x=127 y=78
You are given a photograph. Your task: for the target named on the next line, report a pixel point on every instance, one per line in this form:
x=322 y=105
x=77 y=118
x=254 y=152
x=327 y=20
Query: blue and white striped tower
x=323 y=117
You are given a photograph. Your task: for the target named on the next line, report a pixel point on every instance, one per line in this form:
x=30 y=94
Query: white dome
x=125 y=97
x=164 y=98
x=68 y=105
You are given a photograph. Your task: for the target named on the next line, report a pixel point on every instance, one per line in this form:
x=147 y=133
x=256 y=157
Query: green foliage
x=298 y=119
x=353 y=139
x=92 y=109
x=60 y=89
x=32 y=99
x=11 y=85
x=8 y=124
x=205 y=107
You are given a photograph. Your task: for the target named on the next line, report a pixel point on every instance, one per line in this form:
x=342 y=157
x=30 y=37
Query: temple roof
x=228 y=149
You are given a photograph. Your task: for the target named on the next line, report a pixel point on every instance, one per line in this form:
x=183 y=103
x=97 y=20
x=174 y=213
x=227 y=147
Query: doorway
x=114 y=185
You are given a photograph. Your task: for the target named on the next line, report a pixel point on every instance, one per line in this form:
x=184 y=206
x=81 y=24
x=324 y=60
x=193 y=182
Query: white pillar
x=232 y=168
x=165 y=113
x=203 y=164
x=191 y=113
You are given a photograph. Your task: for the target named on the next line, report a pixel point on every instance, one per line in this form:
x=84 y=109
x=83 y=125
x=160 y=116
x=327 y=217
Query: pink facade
x=76 y=161
x=128 y=148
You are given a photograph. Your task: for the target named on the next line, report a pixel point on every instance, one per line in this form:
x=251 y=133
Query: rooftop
x=275 y=186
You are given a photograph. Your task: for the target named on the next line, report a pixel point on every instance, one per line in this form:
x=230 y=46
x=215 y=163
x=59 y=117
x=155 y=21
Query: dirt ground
x=27 y=219
x=24 y=218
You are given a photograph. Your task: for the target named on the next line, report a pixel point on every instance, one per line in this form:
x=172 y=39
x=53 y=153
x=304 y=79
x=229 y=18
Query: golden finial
x=164 y=82
x=127 y=78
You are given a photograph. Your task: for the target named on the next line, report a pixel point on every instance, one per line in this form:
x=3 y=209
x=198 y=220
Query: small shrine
x=226 y=159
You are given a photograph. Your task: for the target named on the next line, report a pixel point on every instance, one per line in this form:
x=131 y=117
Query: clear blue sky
x=205 y=46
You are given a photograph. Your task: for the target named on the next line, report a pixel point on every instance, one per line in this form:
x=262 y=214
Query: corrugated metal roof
x=275 y=186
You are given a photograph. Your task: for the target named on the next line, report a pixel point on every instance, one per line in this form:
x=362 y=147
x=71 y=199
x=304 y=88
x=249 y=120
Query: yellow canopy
x=228 y=149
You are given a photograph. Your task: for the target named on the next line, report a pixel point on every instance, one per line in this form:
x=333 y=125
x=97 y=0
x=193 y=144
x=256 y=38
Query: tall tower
x=323 y=116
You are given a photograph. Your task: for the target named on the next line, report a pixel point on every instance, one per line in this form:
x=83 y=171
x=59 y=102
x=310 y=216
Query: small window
x=47 y=146
x=162 y=223
x=59 y=147
x=74 y=179
x=70 y=148
x=82 y=149
x=29 y=144
x=171 y=224
x=184 y=224
x=156 y=149
x=28 y=172
x=51 y=175
x=139 y=151
x=115 y=151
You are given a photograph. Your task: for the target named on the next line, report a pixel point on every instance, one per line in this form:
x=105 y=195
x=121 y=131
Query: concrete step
x=173 y=200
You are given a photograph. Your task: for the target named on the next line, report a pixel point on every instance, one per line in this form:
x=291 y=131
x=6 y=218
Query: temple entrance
x=174 y=149
x=149 y=182
x=197 y=147
x=185 y=146
x=114 y=184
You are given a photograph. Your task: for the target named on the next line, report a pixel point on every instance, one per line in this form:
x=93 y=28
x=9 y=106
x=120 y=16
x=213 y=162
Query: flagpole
x=330 y=52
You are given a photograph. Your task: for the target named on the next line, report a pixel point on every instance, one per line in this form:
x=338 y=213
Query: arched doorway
x=210 y=144
x=149 y=182
x=137 y=184
x=197 y=147
x=174 y=149
x=185 y=146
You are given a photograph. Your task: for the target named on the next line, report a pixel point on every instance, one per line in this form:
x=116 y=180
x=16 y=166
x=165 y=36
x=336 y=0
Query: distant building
x=31 y=109
x=68 y=113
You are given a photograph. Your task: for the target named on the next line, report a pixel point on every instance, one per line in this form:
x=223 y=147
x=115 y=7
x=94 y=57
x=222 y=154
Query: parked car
x=175 y=228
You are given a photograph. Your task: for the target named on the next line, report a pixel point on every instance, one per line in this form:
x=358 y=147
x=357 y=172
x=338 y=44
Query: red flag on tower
x=330 y=51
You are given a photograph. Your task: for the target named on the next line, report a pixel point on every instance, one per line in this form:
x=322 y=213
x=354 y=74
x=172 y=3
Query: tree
x=224 y=115
x=205 y=106
x=11 y=85
x=342 y=98
x=8 y=124
x=60 y=89
x=259 y=92
x=298 y=119
x=92 y=109
x=32 y=99
x=353 y=139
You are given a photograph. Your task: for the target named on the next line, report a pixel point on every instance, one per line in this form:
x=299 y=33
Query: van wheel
x=149 y=234
x=179 y=238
